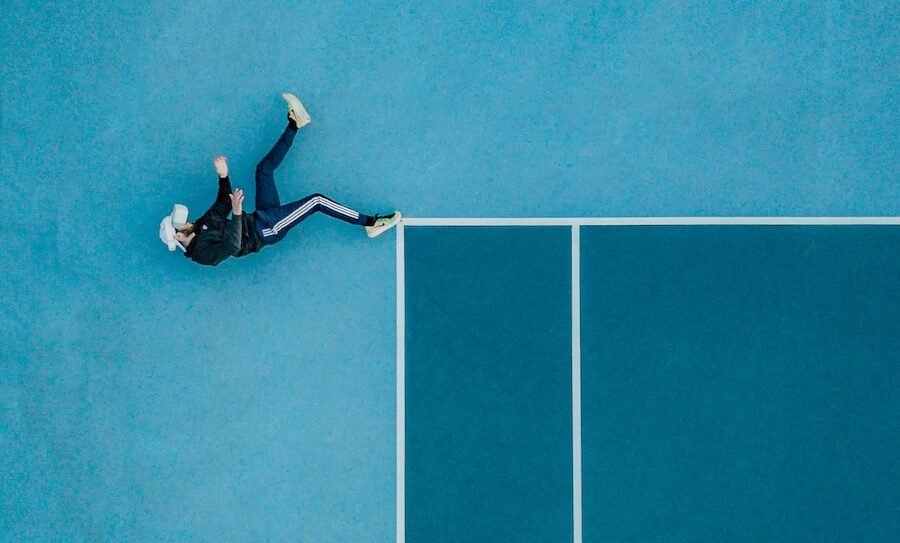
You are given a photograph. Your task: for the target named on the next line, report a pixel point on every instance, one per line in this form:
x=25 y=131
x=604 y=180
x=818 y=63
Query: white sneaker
x=383 y=224
x=296 y=111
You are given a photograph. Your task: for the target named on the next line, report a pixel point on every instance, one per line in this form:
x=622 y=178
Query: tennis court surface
x=666 y=382
x=701 y=383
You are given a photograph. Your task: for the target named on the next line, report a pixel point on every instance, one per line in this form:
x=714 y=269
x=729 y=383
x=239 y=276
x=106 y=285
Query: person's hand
x=237 y=202
x=221 y=164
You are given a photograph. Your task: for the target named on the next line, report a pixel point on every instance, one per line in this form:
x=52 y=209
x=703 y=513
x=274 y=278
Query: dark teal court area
x=489 y=389
x=738 y=383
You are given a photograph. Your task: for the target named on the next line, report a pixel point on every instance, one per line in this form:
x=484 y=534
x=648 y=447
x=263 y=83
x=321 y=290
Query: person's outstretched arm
x=222 y=205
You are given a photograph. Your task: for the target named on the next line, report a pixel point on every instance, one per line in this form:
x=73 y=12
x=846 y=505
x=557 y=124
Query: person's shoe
x=383 y=224
x=296 y=111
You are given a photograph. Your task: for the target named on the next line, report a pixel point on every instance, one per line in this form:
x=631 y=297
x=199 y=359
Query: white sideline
x=401 y=388
x=576 y=382
x=646 y=221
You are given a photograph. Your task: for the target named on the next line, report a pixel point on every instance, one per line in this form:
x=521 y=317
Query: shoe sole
x=383 y=229
x=297 y=108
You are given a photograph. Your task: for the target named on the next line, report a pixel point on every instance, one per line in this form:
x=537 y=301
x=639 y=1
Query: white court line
x=401 y=388
x=647 y=221
x=576 y=382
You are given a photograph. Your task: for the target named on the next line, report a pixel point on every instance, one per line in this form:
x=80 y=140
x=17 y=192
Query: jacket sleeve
x=212 y=252
x=222 y=205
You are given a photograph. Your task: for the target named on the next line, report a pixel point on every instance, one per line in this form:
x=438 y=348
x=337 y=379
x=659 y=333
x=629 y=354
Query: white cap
x=179 y=216
x=170 y=223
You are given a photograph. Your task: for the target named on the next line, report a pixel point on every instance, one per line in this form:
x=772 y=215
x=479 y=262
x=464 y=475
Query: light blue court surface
x=143 y=398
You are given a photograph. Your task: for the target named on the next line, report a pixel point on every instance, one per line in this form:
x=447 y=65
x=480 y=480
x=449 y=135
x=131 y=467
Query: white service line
x=576 y=382
x=401 y=388
x=648 y=221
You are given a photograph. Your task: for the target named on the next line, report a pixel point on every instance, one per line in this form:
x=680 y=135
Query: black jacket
x=218 y=236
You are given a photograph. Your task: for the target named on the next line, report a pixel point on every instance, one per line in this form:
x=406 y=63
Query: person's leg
x=266 y=191
x=274 y=223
